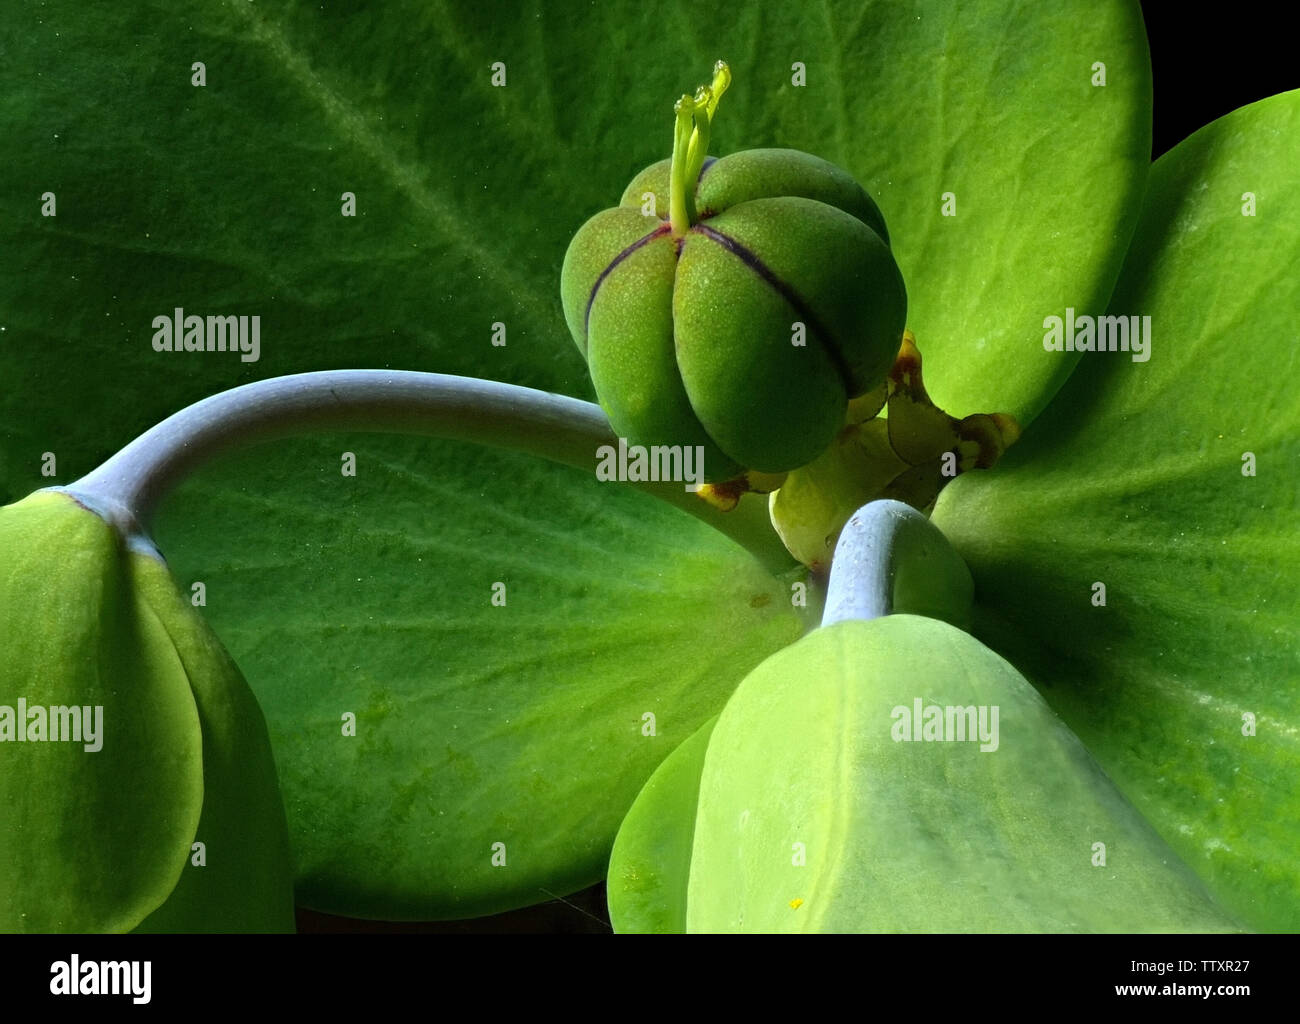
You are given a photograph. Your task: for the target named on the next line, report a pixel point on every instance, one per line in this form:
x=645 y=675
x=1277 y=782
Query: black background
x=1205 y=66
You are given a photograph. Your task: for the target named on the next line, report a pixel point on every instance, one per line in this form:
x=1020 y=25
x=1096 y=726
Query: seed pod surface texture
x=748 y=333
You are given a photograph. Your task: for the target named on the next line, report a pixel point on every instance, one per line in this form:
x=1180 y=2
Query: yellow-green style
x=736 y=304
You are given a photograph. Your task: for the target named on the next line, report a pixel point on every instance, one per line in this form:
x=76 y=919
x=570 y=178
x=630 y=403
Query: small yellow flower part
x=908 y=455
x=796 y=903
x=726 y=496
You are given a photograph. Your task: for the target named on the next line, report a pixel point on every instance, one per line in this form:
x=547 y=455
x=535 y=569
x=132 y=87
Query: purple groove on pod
x=752 y=260
x=709 y=161
x=661 y=230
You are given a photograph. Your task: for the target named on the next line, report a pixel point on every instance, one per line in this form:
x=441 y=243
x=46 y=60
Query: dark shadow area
x=582 y=913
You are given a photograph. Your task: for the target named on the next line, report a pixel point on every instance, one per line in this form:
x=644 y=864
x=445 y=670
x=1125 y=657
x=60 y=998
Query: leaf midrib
x=407 y=178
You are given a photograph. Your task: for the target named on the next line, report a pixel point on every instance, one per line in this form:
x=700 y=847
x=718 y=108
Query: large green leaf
x=831 y=799
x=650 y=865
x=994 y=103
x=476 y=722
x=225 y=199
x=1137 y=480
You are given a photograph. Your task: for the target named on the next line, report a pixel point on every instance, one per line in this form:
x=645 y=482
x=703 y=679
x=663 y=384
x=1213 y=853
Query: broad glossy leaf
x=226 y=199
x=650 y=864
x=818 y=811
x=1137 y=480
x=519 y=722
x=993 y=104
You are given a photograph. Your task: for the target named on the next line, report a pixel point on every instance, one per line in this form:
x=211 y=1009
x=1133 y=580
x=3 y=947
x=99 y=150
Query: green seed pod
x=734 y=303
x=820 y=800
x=129 y=742
x=824 y=805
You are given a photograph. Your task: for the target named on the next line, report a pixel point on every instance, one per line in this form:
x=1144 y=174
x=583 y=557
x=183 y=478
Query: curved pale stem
x=130 y=485
x=890 y=559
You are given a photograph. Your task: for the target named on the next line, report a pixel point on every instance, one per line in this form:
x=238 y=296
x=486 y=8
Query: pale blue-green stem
x=892 y=559
x=128 y=487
